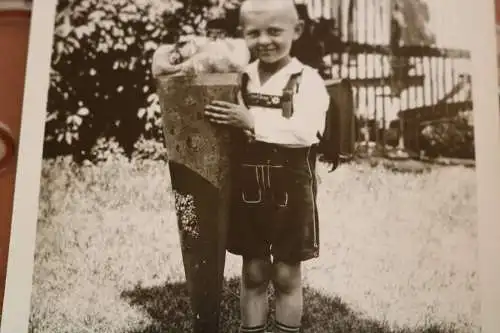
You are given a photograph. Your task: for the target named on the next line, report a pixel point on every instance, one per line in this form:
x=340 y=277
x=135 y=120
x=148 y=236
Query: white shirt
x=310 y=105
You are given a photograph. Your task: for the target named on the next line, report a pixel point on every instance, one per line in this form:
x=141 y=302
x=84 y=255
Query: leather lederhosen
x=274 y=210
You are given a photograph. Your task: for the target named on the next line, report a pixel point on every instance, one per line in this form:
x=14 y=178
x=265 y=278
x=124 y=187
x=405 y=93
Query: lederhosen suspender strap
x=288 y=92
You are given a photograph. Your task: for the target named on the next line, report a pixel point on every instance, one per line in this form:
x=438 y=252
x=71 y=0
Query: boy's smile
x=270 y=30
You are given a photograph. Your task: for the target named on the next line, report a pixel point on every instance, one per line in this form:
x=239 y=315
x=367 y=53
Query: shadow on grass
x=169 y=309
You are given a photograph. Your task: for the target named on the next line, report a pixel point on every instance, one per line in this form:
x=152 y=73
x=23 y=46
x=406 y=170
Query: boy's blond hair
x=284 y=7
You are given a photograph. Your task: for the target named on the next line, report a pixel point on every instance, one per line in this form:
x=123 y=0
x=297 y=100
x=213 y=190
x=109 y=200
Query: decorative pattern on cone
x=186 y=214
x=189 y=138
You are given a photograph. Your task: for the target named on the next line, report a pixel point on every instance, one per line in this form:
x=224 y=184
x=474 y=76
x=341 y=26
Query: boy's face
x=269 y=33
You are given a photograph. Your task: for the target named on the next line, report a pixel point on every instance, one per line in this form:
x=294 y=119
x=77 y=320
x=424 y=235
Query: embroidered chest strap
x=265 y=101
x=284 y=102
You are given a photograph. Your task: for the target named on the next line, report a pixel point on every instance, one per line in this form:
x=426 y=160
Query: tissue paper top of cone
x=201 y=55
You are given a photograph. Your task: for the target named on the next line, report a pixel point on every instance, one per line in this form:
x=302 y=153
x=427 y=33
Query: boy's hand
x=226 y=113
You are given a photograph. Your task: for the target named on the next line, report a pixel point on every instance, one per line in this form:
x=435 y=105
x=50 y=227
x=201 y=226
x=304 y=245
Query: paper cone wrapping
x=189 y=138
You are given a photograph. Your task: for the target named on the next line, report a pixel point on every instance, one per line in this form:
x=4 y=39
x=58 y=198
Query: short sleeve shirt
x=310 y=104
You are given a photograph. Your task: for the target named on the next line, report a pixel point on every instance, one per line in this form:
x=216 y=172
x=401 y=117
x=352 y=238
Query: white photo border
x=487 y=142
x=18 y=286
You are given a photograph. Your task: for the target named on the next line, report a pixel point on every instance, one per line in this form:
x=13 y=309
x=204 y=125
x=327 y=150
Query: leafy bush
x=101 y=84
x=453 y=138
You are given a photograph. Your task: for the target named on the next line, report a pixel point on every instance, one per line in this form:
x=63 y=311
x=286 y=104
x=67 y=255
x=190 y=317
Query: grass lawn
x=398 y=253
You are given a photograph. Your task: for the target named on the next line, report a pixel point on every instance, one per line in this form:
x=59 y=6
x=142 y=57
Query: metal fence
x=398 y=89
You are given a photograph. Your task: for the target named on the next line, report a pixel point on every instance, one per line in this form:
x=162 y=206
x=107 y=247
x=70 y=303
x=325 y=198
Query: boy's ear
x=299 y=29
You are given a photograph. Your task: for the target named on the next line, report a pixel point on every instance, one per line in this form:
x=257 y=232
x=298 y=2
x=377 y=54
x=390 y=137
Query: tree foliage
x=101 y=84
x=452 y=138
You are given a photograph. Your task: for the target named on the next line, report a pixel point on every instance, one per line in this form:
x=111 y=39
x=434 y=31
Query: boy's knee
x=287 y=277
x=256 y=273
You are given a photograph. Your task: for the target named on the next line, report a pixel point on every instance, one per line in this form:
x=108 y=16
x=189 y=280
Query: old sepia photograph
x=258 y=166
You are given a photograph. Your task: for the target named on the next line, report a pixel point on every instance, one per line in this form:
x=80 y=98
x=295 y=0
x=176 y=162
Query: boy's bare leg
x=254 y=305
x=289 y=298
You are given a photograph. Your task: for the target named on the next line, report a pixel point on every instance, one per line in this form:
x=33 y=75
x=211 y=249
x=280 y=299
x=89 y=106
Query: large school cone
x=199 y=162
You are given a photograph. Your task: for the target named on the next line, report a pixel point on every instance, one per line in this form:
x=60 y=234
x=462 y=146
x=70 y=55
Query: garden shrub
x=451 y=138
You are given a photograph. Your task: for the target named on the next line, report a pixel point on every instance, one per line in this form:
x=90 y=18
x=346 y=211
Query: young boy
x=275 y=213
